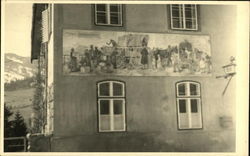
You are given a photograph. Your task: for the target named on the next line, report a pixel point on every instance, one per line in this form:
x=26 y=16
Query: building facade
x=139 y=77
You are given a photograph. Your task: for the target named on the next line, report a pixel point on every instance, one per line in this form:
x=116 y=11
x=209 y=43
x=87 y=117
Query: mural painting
x=135 y=54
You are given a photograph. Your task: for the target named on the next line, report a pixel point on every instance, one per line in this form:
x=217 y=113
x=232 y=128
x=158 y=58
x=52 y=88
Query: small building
x=135 y=77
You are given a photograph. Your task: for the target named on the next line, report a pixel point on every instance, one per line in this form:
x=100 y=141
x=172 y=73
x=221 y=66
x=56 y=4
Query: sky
x=18 y=20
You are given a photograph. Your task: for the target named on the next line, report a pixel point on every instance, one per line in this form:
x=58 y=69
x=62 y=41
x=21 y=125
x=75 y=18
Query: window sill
x=189 y=129
x=106 y=132
x=109 y=25
x=179 y=29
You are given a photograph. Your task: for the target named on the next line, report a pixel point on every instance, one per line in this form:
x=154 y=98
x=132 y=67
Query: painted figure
x=169 y=61
x=113 y=58
x=73 y=61
x=112 y=42
x=155 y=60
x=98 y=55
x=188 y=53
x=131 y=55
x=144 y=57
x=85 y=60
x=145 y=42
x=202 y=65
x=158 y=64
x=93 y=61
x=137 y=56
x=208 y=64
x=175 y=59
x=150 y=59
x=153 y=63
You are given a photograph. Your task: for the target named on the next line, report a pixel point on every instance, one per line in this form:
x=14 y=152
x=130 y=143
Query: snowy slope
x=17 y=68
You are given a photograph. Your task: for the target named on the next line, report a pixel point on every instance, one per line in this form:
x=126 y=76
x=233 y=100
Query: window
x=111 y=106
x=108 y=14
x=189 y=105
x=183 y=16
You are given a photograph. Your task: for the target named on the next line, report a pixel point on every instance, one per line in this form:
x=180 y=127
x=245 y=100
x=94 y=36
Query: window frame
x=111 y=99
x=188 y=97
x=183 y=17
x=108 y=15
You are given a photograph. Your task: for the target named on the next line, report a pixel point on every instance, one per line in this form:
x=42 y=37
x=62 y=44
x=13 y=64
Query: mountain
x=17 y=68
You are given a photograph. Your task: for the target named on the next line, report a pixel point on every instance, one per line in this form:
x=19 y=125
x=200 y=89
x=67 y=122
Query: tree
x=38 y=105
x=8 y=125
x=19 y=126
x=13 y=128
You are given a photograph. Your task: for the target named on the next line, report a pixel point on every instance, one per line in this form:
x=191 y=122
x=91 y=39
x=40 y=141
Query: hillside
x=17 y=68
x=20 y=100
x=18 y=84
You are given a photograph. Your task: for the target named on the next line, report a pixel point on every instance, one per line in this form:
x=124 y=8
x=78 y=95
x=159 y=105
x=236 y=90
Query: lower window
x=111 y=115
x=189 y=113
x=189 y=105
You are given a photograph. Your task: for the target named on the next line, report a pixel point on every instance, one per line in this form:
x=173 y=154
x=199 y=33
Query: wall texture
x=151 y=113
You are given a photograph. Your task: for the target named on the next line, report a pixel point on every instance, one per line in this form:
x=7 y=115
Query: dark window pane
x=101 y=18
x=189 y=24
x=194 y=26
x=117 y=89
x=182 y=89
x=114 y=8
x=118 y=106
x=182 y=106
x=194 y=106
x=175 y=13
x=104 y=89
x=114 y=19
x=193 y=89
x=100 y=7
x=177 y=23
x=188 y=13
x=104 y=107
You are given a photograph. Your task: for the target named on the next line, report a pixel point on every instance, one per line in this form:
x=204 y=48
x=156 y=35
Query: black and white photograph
x=124 y=76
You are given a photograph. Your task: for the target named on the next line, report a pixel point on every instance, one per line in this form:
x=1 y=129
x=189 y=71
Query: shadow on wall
x=198 y=141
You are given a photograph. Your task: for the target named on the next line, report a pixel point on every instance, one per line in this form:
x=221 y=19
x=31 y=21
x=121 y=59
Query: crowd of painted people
x=111 y=58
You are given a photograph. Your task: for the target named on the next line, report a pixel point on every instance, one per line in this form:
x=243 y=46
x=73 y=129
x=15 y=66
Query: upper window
x=184 y=16
x=108 y=14
x=111 y=106
x=189 y=105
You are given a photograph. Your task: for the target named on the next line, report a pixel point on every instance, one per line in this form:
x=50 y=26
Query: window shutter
x=45 y=26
